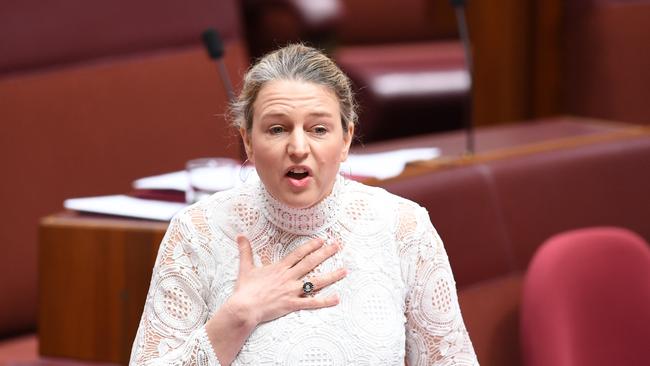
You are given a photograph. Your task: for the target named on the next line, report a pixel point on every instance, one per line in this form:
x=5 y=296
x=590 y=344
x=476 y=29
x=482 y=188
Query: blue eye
x=275 y=130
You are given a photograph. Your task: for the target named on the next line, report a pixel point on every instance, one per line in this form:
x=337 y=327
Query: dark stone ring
x=307 y=288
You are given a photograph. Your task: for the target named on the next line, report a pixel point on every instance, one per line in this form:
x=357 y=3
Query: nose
x=298 y=146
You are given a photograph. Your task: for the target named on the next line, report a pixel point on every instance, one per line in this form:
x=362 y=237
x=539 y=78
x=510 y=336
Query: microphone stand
x=214 y=45
x=459 y=7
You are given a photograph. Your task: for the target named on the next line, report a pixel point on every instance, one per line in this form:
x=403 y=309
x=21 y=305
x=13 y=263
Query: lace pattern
x=301 y=221
x=437 y=333
x=398 y=301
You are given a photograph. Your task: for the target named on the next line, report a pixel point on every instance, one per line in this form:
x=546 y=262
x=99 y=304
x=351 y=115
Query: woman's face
x=297 y=142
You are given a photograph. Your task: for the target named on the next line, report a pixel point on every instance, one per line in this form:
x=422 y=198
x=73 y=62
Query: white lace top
x=398 y=300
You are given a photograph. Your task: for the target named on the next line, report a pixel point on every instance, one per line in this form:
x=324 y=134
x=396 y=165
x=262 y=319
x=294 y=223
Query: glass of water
x=209 y=175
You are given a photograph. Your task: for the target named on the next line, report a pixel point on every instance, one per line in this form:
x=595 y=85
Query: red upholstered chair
x=586 y=300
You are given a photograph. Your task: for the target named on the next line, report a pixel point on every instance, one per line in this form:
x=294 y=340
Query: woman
x=300 y=266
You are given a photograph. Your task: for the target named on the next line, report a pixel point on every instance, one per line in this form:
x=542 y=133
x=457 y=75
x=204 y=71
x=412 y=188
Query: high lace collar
x=302 y=221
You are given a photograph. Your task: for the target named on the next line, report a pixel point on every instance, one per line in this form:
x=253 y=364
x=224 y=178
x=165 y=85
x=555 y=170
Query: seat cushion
x=585 y=300
x=18 y=349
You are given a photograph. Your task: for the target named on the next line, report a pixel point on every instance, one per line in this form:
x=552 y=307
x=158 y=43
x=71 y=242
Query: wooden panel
x=93 y=281
x=501 y=46
x=546 y=64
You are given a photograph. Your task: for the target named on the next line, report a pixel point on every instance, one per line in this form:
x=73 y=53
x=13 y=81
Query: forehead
x=293 y=96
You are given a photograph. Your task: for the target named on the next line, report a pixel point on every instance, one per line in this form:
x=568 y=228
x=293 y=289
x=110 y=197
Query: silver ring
x=307 y=288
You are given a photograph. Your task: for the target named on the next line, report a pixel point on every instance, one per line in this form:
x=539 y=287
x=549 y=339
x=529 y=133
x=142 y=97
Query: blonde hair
x=294 y=62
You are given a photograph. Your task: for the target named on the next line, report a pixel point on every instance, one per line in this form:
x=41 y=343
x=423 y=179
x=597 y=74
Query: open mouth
x=298 y=173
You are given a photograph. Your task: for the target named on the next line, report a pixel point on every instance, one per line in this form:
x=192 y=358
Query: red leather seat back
x=594 y=185
x=39 y=34
x=376 y=22
x=462 y=206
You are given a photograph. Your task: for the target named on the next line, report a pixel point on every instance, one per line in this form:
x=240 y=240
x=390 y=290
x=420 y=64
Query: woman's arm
x=171 y=330
x=435 y=333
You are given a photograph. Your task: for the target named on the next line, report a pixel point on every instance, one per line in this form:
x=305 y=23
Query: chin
x=299 y=202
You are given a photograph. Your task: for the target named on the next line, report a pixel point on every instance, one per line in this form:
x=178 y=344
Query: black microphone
x=214 y=46
x=459 y=7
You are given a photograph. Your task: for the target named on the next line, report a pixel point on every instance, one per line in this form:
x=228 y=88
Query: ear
x=246 y=139
x=347 y=140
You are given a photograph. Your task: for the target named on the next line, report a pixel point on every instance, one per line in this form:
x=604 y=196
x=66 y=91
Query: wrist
x=241 y=313
x=229 y=328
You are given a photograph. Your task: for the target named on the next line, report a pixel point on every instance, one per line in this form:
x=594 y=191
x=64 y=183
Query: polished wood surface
x=498 y=143
x=94 y=271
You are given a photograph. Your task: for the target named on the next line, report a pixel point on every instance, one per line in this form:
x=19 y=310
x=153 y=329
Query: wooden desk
x=94 y=271
x=94 y=274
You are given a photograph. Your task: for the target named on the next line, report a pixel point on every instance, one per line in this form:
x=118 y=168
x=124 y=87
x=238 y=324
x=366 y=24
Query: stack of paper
x=121 y=205
x=387 y=164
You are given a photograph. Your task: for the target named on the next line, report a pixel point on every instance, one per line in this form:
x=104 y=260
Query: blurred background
x=95 y=94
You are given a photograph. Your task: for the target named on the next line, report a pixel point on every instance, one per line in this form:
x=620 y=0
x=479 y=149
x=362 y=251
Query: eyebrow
x=282 y=114
x=320 y=114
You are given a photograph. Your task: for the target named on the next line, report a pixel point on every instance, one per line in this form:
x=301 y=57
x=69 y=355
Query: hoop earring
x=242 y=168
x=346 y=180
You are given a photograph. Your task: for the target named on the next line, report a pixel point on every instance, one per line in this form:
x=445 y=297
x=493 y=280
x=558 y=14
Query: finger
x=302 y=251
x=245 y=253
x=317 y=302
x=328 y=279
x=321 y=282
x=312 y=260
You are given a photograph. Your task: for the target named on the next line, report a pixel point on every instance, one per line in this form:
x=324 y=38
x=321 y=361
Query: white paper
x=122 y=205
x=209 y=179
x=387 y=164
x=178 y=181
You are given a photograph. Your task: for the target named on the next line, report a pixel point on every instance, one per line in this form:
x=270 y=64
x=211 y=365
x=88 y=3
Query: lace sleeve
x=171 y=330
x=435 y=331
